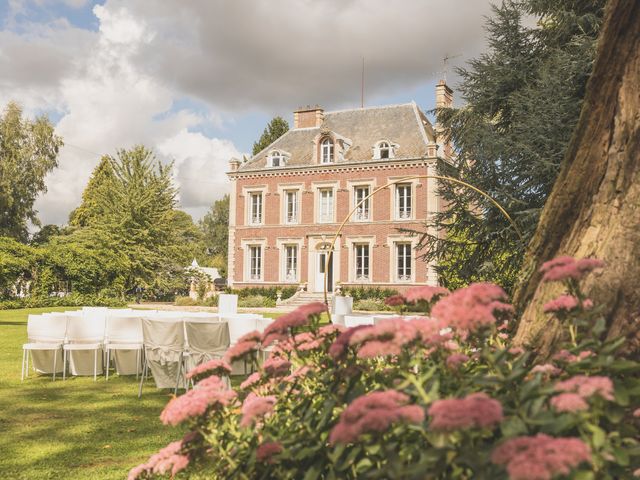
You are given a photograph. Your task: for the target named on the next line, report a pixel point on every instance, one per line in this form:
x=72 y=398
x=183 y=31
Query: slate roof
x=404 y=125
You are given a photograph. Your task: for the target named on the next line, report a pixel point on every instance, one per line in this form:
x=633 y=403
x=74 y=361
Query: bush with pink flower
x=445 y=395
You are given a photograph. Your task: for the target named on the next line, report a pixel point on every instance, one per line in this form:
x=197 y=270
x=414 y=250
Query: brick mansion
x=288 y=201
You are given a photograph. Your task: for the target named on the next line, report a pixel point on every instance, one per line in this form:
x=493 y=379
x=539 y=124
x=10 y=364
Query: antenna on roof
x=362 y=86
x=445 y=64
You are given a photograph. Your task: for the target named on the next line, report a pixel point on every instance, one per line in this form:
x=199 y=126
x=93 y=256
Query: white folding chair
x=45 y=334
x=124 y=333
x=164 y=343
x=227 y=304
x=239 y=325
x=205 y=340
x=83 y=335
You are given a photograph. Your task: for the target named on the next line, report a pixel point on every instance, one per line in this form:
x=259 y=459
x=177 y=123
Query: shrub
x=185 y=302
x=440 y=397
x=256 y=301
x=70 y=300
x=368 y=293
x=370 y=305
x=269 y=292
x=211 y=301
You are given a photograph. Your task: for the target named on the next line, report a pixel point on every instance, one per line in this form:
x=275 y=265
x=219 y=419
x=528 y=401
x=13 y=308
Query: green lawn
x=76 y=429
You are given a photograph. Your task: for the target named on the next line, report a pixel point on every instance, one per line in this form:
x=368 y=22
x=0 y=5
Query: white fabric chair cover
x=43 y=333
x=124 y=331
x=240 y=325
x=342 y=305
x=85 y=336
x=337 y=319
x=355 y=320
x=205 y=340
x=227 y=304
x=164 y=344
x=263 y=322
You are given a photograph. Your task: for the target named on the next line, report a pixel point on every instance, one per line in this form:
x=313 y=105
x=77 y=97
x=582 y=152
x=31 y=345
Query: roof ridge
x=373 y=107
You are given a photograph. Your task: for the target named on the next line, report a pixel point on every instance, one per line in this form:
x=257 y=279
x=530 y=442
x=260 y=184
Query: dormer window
x=326 y=151
x=276 y=159
x=383 y=150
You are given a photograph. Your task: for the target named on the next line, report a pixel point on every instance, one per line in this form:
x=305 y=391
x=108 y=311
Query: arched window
x=277 y=159
x=384 y=150
x=326 y=151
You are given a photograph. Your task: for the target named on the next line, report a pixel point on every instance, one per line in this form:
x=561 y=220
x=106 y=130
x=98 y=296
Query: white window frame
x=247 y=192
x=256 y=263
x=283 y=244
x=327 y=150
x=352 y=244
x=363 y=212
x=392 y=243
x=406 y=275
x=277 y=154
x=292 y=217
x=246 y=246
x=256 y=217
x=405 y=213
x=362 y=255
x=326 y=217
x=381 y=146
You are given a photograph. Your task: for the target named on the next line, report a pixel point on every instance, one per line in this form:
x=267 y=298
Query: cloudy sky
x=197 y=80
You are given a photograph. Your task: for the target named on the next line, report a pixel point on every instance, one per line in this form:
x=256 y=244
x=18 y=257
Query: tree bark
x=594 y=207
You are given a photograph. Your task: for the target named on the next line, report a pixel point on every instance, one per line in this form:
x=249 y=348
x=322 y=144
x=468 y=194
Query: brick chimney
x=444 y=99
x=307 y=117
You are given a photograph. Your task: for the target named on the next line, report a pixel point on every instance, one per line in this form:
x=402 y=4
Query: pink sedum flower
x=267 y=450
x=280 y=328
x=276 y=367
x=169 y=459
x=374 y=412
x=207 y=393
x=255 y=408
x=569 y=402
x=472 y=308
x=546 y=369
x=541 y=457
x=565 y=268
x=240 y=350
x=394 y=301
x=455 y=360
x=477 y=410
x=587 y=386
x=339 y=347
x=636 y=413
x=516 y=350
x=564 y=303
x=215 y=366
x=251 y=381
x=425 y=293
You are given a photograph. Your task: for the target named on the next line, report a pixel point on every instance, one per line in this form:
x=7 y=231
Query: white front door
x=321 y=263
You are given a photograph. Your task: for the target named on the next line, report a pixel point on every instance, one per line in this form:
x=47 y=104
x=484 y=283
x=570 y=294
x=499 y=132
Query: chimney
x=234 y=164
x=307 y=117
x=444 y=99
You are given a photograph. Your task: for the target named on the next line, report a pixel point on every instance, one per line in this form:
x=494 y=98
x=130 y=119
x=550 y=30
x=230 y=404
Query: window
x=326 y=151
x=325 y=210
x=403 y=262
x=383 y=150
x=361 y=262
x=277 y=159
x=403 y=201
x=291 y=263
x=362 y=210
x=291 y=206
x=255 y=209
x=255 y=262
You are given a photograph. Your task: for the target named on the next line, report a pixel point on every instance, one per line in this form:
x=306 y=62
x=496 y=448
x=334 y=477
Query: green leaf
x=513 y=427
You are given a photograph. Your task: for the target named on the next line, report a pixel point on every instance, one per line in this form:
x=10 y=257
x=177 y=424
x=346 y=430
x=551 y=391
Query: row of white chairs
x=93 y=329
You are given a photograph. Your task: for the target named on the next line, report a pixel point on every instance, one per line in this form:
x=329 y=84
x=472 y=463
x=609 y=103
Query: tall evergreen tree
x=277 y=127
x=28 y=151
x=97 y=188
x=522 y=101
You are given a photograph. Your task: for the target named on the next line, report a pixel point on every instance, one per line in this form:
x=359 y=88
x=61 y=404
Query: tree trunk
x=594 y=207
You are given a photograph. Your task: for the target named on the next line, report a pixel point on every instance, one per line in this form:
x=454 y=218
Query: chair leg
x=27 y=369
x=144 y=372
x=95 y=365
x=64 y=364
x=137 y=362
x=180 y=360
x=24 y=351
x=106 y=376
x=55 y=361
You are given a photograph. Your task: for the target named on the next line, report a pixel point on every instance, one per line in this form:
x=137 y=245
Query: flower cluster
x=477 y=410
x=279 y=329
x=566 y=268
x=212 y=367
x=587 y=386
x=374 y=412
x=267 y=450
x=207 y=393
x=276 y=367
x=472 y=308
x=169 y=459
x=424 y=293
x=255 y=407
x=541 y=457
x=568 y=357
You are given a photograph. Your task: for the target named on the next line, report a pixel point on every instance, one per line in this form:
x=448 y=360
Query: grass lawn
x=77 y=429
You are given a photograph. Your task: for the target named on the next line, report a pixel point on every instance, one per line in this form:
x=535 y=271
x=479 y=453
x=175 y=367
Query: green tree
x=17 y=263
x=215 y=225
x=28 y=151
x=97 y=188
x=523 y=98
x=277 y=127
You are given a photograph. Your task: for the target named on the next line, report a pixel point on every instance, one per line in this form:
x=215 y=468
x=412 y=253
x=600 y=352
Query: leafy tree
x=215 y=225
x=97 y=188
x=523 y=98
x=28 y=151
x=45 y=234
x=17 y=263
x=277 y=127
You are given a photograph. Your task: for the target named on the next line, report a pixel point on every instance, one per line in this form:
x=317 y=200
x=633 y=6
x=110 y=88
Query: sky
x=198 y=80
